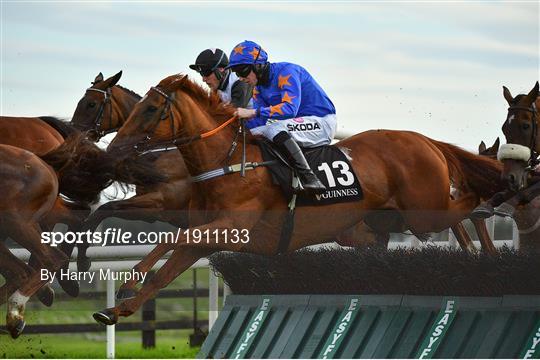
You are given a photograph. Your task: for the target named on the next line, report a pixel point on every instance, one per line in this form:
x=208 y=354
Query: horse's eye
x=151 y=109
x=92 y=104
x=525 y=126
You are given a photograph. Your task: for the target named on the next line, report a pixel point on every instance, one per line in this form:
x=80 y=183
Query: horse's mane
x=137 y=96
x=63 y=127
x=209 y=100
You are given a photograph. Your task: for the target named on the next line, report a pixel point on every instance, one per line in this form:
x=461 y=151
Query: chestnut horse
x=41 y=135
x=402 y=172
x=103 y=109
x=29 y=187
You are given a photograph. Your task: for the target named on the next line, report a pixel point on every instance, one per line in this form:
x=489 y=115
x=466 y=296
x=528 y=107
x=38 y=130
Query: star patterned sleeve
x=291 y=94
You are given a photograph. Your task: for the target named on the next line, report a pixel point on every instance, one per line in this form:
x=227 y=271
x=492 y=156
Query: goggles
x=242 y=70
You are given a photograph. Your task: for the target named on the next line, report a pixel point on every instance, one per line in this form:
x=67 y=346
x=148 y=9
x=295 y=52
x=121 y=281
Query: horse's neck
x=208 y=153
x=123 y=103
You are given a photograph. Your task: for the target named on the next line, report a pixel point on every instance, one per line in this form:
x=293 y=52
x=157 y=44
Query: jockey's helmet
x=247 y=53
x=209 y=60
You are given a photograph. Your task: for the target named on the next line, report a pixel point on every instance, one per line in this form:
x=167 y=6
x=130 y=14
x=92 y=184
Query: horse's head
x=95 y=106
x=174 y=112
x=490 y=152
x=521 y=131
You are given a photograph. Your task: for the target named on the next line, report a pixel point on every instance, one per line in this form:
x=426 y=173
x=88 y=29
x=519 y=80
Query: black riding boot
x=308 y=179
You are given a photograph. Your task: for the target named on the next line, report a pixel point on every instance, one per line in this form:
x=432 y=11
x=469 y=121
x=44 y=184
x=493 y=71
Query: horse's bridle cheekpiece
x=533 y=160
x=101 y=111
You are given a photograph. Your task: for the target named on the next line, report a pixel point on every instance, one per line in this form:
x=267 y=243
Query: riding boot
x=308 y=179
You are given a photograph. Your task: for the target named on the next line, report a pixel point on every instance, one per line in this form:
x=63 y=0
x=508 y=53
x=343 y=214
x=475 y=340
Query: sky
x=433 y=67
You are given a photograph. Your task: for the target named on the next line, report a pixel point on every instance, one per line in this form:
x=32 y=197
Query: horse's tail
x=480 y=173
x=83 y=169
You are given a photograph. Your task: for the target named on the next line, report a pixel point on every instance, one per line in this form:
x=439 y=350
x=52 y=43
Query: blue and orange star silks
x=287 y=98
x=254 y=53
x=239 y=49
x=255 y=93
x=276 y=109
x=283 y=80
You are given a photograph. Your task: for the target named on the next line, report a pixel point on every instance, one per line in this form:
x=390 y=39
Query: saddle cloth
x=327 y=162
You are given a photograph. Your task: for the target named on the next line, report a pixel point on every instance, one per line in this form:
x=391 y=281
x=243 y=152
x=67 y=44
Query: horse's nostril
x=511 y=179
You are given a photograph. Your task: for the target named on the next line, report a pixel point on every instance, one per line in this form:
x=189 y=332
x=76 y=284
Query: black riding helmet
x=209 y=61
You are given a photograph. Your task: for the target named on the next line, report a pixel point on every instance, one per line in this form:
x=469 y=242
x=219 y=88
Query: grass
x=170 y=344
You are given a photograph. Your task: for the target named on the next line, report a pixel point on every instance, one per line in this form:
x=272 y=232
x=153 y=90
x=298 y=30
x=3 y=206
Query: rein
x=167 y=113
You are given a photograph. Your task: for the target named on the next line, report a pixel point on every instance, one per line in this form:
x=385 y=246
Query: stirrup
x=482 y=211
x=505 y=210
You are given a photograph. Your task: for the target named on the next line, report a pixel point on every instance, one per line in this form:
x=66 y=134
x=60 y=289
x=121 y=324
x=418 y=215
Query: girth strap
x=229 y=170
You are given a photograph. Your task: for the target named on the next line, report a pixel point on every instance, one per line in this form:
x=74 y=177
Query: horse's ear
x=98 y=78
x=114 y=79
x=496 y=144
x=533 y=94
x=507 y=95
x=481 y=147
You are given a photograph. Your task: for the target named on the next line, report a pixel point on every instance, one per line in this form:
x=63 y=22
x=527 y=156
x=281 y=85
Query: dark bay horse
x=520 y=158
x=103 y=109
x=399 y=170
x=30 y=188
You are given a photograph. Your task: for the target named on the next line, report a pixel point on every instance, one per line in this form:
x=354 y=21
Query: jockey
x=211 y=65
x=289 y=107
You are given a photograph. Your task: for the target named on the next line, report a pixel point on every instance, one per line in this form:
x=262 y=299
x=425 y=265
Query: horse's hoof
x=71 y=287
x=482 y=212
x=46 y=295
x=83 y=264
x=105 y=317
x=505 y=210
x=124 y=294
x=16 y=330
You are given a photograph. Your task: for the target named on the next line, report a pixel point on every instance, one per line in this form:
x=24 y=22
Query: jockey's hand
x=245 y=113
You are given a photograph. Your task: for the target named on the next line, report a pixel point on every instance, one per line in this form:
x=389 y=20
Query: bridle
x=533 y=160
x=99 y=117
x=142 y=147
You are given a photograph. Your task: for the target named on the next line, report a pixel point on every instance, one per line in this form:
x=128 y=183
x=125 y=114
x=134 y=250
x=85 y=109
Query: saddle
x=330 y=165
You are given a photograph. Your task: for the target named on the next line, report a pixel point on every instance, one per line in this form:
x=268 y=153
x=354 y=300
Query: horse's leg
x=148 y=205
x=17 y=272
x=181 y=259
x=483 y=235
x=463 y=238
x=28 y=235
x=127 y=290
x=73 y=216
x=184 y=255
x=13 y=270
x=357 y=236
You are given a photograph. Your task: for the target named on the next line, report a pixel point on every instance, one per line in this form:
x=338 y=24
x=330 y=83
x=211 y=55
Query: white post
x=415 y=243
x=515 y=235
x=110 y=328
x=452 y=240
x=213 y=298
x=490 y=223
x=226 y=292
